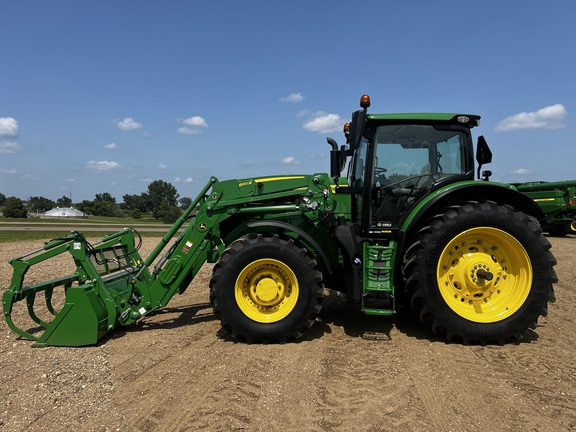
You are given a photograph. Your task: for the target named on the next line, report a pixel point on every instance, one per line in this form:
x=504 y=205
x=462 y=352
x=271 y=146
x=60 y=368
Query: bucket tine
x=30 y=304
x=48 y=297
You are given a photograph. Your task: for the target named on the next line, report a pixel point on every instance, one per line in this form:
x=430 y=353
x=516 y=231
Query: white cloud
x=322 y=123
x=29 y=177
x=522 y=171
x=293 y=97
x=162 y=166
x=195 y=121
x=101 y=165
x=128 y=124
x=289 y=160
x=7 y=147
x=7 y=171
x=188 y=131
x=8 y=126
x=549 y=117
x=186 y=180
x=112 y=146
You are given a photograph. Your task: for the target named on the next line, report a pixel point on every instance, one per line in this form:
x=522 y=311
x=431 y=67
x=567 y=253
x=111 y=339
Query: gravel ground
x=176 y=371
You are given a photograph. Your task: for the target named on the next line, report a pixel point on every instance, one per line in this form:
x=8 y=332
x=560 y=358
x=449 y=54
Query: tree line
x=161 y=200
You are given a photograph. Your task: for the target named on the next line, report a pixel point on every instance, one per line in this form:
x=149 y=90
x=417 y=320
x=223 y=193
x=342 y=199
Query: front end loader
x=109 y=284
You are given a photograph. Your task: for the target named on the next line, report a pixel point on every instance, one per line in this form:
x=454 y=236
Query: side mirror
x=483 y=154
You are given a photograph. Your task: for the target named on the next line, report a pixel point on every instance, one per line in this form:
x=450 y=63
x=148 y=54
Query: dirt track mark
x=371 y=387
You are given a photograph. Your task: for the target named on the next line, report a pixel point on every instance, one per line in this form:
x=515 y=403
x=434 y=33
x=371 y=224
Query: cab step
x=378 y=290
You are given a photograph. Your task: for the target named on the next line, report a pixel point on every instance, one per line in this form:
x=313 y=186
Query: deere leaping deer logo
x=202 y=226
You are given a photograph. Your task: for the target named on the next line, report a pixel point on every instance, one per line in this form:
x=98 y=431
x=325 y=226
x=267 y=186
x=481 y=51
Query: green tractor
x=558 y=203
x=407 y=223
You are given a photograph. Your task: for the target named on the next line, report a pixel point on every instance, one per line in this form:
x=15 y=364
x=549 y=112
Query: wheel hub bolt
x=483 y=274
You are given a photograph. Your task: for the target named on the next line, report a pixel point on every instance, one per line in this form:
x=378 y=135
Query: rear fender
x=465 y=192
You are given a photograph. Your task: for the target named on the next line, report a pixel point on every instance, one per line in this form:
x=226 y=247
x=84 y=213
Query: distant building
x=63 y=212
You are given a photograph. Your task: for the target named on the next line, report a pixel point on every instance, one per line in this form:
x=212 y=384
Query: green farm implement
x=558 y=203
x=408 y=222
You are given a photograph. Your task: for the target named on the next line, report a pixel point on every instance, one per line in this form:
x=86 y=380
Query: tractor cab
x=397 y=159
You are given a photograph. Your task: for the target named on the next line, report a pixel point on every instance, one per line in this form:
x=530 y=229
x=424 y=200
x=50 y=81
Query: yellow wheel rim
x=266 y=290
x=573 y=227
x=484 y=275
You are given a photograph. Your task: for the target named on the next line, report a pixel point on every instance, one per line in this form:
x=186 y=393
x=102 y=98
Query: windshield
x=409 y=160
x=411 y=150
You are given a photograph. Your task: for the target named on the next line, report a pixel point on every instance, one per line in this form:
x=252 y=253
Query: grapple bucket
x=82 y=305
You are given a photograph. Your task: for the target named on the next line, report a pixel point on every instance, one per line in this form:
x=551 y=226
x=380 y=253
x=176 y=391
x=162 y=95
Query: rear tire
x=480 y=272
x=265 y=289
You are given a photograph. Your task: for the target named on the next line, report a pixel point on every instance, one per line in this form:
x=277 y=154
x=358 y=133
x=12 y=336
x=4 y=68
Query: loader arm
x=201 y=240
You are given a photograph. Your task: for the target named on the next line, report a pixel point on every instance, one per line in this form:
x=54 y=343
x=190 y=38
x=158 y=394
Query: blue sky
x=107 y=96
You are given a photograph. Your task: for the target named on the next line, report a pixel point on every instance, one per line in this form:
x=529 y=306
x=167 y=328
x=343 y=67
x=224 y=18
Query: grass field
x=42 y=236
x=78 y=221
x=43 y=229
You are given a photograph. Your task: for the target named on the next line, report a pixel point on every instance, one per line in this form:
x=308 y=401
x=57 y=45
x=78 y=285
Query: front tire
x=265 y=289
x=480 y=272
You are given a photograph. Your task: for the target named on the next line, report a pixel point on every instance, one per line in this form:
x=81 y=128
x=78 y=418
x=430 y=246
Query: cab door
x=358 y=180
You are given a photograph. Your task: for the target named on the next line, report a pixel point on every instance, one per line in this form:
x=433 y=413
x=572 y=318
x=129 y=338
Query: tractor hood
x=257 y=189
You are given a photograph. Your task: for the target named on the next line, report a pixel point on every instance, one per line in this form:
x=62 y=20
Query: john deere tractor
x=407 y=222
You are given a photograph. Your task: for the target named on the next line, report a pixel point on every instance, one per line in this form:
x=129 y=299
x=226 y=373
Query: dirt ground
x=176 y=371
